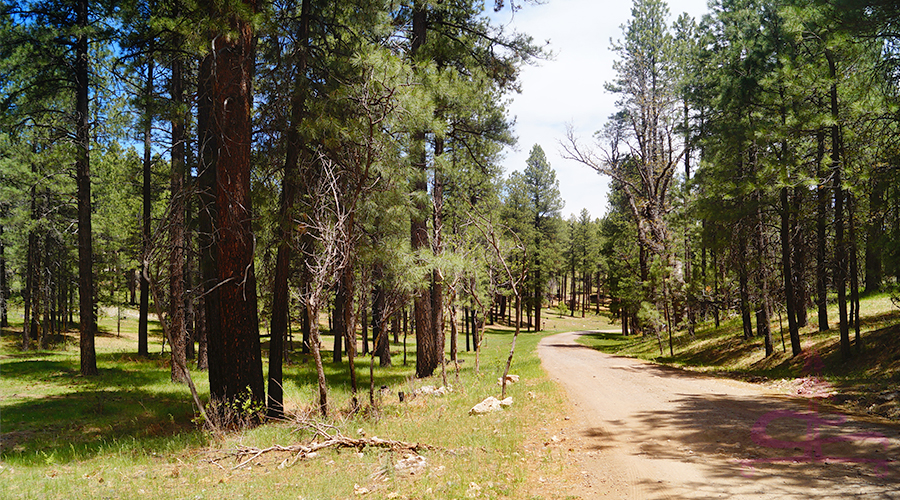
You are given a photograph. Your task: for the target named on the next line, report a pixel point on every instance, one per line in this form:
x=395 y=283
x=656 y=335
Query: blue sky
x=569 y=88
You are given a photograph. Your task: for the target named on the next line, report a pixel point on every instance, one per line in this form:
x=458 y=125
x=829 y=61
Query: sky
x=569 y=88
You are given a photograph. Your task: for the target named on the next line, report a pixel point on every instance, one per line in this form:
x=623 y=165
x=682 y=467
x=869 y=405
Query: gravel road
x=643 y=431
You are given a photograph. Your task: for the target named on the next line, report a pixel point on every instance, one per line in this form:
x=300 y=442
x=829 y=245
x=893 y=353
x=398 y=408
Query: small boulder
x=490 y=404
x=429 y=390
x=510 y=379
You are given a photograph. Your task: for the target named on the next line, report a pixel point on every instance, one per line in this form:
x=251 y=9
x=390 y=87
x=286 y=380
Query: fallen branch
x=307 y=450
x=326 y=436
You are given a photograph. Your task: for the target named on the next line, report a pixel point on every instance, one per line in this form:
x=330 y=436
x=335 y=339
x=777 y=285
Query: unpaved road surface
x=642 y=431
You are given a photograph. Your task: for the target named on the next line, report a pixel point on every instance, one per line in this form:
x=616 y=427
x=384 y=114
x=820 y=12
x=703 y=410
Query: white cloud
x=569 y=88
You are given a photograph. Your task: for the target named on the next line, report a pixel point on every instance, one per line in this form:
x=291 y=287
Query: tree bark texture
x=87 y=318
x=426 y=344
x=840 y=257
x=235 y=365
x=144 y=307
x=788 y=272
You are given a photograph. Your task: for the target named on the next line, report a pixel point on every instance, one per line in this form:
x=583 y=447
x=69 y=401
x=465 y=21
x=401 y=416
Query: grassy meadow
x=131 y=433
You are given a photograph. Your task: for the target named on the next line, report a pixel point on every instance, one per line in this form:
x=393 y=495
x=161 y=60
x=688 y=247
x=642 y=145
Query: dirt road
x=641 y=431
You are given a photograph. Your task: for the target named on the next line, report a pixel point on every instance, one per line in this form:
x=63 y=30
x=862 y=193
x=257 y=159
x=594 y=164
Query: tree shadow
x=780 y=447
x=81 y=425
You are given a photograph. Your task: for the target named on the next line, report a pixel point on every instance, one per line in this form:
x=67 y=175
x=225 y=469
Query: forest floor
x=131 y=433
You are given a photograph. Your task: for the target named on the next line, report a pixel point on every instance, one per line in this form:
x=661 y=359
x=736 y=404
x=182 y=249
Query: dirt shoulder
x=639 y=430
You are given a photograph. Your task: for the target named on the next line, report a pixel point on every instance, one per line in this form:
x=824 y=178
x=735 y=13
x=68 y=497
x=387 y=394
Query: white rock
x=510 y=379
x=506 y=402
x=411 y=464
x=490 y=404
x=430 y=390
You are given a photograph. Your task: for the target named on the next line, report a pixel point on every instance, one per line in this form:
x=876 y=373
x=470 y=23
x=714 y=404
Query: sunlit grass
x=131 y=433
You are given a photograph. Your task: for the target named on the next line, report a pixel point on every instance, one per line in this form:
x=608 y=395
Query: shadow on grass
x=612 y=343
x=81 y=425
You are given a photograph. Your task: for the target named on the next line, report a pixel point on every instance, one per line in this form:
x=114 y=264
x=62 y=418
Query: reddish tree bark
x=235 y=364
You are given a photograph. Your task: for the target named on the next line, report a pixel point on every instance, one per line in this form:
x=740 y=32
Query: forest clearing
x=133 y=434
x=294 y=248
x=136 y=435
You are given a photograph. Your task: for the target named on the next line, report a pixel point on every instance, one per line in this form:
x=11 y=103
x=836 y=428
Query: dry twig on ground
x=326 y=436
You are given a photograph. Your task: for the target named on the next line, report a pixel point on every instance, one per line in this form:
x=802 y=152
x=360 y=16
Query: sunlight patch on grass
x=129 y=433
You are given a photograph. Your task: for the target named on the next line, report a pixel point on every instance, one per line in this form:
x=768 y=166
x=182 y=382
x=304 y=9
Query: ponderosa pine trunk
x=788 y=272
x=87 y=318
x=144 y=307
x=426 y=343
x=875 y=232
x=280 y=293
x=853 y=263
x=382 y=347
x=840 y=257
x=538 y=295
x=822 y=202
x=235 y=365
x=342 y=303
x=30 y=281
x=176 y=228
x=801 y=261
x=743 y=287
x=437 y=280
x=4 y=285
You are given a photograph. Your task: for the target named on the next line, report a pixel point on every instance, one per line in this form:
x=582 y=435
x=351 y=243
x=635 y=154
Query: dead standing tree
x=645 y=179
x=325 y=220
x=515 y=279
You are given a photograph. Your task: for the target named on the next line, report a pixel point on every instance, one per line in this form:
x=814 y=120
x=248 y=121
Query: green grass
x=131 y=433
x=723 y=351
